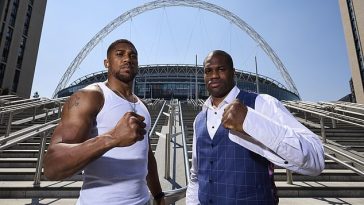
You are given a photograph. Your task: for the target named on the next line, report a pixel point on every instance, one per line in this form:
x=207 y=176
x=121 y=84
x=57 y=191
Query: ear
x=106 y=63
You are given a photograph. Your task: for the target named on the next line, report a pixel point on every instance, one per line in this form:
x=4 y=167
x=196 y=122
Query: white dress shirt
x=274 y=134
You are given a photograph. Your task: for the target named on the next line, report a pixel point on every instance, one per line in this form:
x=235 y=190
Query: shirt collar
x=230 y=97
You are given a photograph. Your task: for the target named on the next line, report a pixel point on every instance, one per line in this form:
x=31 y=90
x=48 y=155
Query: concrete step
x=70 y=189
x=19 y=153
x=26 y=174
x=27 y=146
x=18 y=162
x=282 y=201
x=23 y=174
x=327 y=175
x=321 y=189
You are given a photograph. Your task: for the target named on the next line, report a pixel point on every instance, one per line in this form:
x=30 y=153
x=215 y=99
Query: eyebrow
x=124 y=50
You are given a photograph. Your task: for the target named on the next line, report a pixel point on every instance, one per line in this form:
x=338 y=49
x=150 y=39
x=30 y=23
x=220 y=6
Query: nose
x=126 y=58
x=214 y=74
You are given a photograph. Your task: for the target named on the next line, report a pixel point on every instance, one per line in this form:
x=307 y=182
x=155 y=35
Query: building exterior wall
x=21 y=26
x=352 y=16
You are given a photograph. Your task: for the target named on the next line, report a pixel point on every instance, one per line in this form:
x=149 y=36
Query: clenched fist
x=234 y=116
x=128 y=130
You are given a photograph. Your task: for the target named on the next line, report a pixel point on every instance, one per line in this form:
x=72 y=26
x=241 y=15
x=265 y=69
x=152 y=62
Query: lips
x=126 y=68
x=214 y=84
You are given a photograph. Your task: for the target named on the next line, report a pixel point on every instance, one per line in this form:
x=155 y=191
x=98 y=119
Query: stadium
x=179 y=81
x=174 y=95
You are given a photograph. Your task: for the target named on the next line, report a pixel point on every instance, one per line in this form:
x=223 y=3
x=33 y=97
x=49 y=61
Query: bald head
x=227 y=57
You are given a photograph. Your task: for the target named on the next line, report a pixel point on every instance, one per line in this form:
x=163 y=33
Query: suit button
x=210 y=201
x=285 y=162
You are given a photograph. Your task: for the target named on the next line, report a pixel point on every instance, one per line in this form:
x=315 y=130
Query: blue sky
x=307 y=35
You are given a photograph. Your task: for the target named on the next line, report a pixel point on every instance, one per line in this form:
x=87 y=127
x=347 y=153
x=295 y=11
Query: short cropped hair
x=113 y=45
x=228 y=59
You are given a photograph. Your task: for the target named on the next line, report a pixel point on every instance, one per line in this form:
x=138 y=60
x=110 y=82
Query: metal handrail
x=14 y=109
x=187 y=165
x=345 y=155
x=157 y=119
x=17 y=102
x=323 y=109
x=351 y=105
x=323 y=115
x=4 y=141
x=345 y=164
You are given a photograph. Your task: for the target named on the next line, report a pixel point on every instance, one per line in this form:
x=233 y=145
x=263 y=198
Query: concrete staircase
x=18 y=162
x=335 y=181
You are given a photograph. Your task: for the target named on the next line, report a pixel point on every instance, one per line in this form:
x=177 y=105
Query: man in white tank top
x=103 y=131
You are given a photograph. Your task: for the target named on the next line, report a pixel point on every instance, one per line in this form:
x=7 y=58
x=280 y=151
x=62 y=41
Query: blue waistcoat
x=227 y=172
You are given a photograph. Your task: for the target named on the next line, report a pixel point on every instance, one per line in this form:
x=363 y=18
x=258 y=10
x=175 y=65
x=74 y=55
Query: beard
x=220 y=91
x=124 y=77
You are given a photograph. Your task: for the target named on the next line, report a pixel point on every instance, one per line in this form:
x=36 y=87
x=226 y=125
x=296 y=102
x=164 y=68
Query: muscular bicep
x=78 y=116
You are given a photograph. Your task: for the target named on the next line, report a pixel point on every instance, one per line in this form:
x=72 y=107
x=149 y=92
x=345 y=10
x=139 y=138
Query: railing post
x=289 y=176
x=8 y=127
x=168 y=140
x=305 y=114
x=333 y=121
x=167 y=157
x=35 y=112
x=185 y=153
x=46 y=117
x=1 y=118
x=38 y=169
x=323 y=132
x=59 y=109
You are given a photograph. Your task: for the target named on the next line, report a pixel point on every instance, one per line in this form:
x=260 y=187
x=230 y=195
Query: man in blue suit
x=237 y=137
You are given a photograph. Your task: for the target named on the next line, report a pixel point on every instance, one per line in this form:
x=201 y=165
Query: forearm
x=288 y=139
x=152 y=177
x=63 y=160
x=192 y=188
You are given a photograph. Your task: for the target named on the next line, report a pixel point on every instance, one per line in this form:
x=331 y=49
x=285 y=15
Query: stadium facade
x=179 y=81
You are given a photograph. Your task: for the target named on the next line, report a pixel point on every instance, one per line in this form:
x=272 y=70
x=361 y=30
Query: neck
x=122 y=91
x=216 y=101
x=125 y=89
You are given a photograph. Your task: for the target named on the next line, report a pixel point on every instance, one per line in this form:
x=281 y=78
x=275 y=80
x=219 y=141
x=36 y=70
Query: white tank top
x=119 y=176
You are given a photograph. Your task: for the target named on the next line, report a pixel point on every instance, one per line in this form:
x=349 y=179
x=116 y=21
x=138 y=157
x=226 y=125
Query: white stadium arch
x=169 y=3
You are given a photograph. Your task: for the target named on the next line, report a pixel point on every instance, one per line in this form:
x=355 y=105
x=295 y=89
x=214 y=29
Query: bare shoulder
x=89 y=100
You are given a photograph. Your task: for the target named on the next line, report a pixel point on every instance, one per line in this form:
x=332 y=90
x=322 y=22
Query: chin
x=218 y=95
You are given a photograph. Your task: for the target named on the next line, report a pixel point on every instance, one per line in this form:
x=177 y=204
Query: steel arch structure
x=169 y=3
